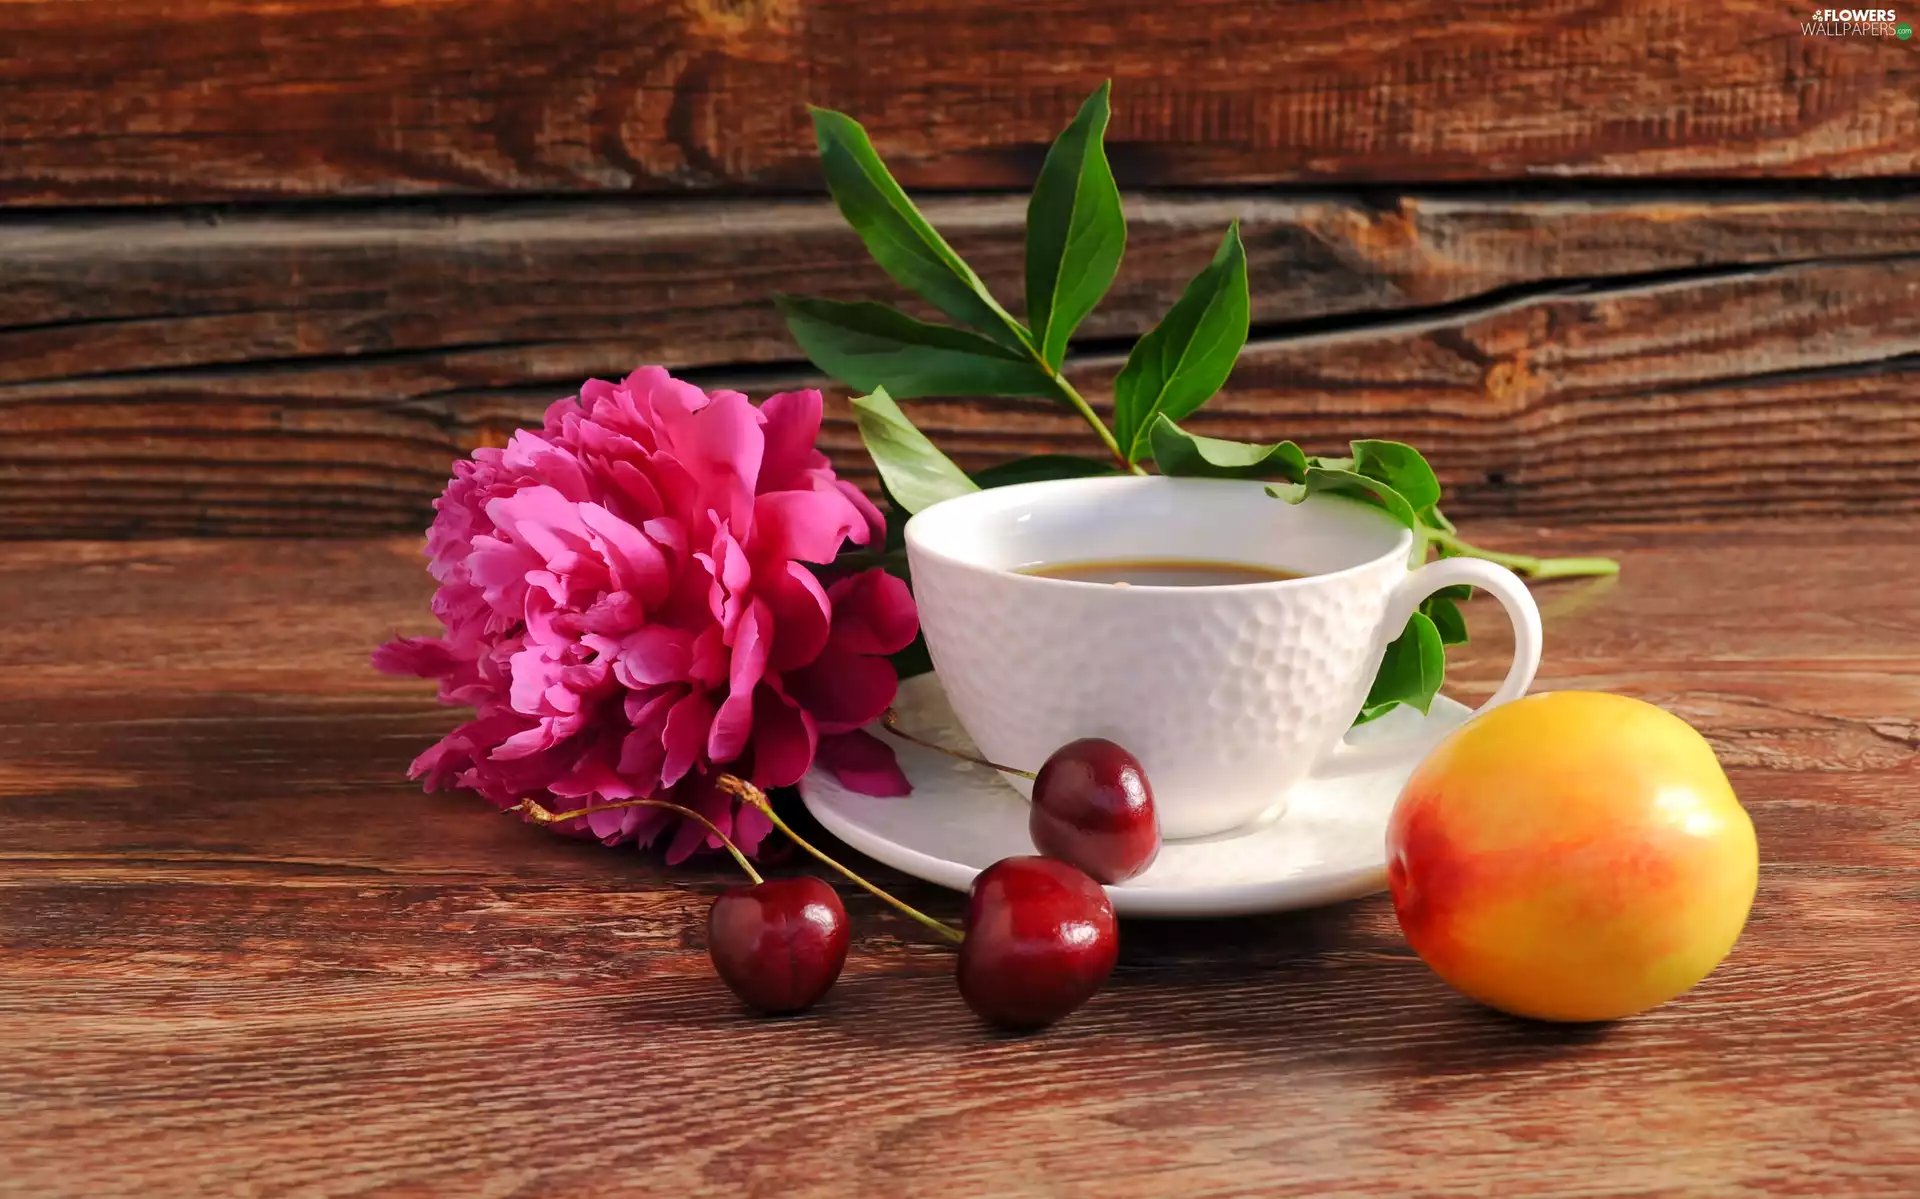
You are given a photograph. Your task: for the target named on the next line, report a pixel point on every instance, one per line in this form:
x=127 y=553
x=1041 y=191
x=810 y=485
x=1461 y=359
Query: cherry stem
x=890 y=720
x=539 y=815
x=749 y=793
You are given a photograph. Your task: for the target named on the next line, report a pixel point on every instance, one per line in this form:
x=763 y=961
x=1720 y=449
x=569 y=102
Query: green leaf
x=1413 y=669
x=868 y=345
x=1445 y=615
x=1443 y=608
x=1372 y=713
x=1184 y=359
x=1178 y=452
x=1076 y=231
x=916 y=474
x=1400 y=467
x=1359 y=486
x=898 y=237
x=1038 y=468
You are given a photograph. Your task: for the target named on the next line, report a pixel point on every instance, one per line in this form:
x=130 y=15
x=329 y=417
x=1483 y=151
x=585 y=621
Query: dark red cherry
x=1040 y=939
x=1092 y=807
x=778 y=945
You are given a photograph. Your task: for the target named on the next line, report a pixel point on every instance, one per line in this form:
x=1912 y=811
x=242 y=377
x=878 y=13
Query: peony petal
x=873 y=613
x=642 y=498
x=643 y=751
x=607 y=823
x=790 y=424
x=669 y=535
x=585 y=678
x=734 y=722
x=750 y=828
x=843 y=691
x=647 y=710
x=533 y=673
x=591 y=777
x=573 y=405
x=557 y=467
x=717 y=439
x=423 y=657
x=648 y=388
x=809 y=526
x=643 y=825
x=540 y=612
x=653 y=654
x=679 y=491
x=731 y=574
x=783 y=739
x=547 y=584
x=546 y=521
x=864 y=763
x=801 y=615
x=641 y=758
x=710 y=663
x=525 y=743
x=876 y=523
x=708 y=800
x=636 y=563
x=612 y=614
x=685 y=735
x=732 y=725
x=499 y=568
x=448 y=756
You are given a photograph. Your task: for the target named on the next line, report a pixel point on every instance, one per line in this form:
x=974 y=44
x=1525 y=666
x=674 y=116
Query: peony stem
x=539 y=815
x=749 y=793
x=890 y=720
x=1525 y=564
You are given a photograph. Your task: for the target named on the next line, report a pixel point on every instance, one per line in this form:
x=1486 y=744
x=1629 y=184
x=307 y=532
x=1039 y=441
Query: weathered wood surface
x=310 y=374
x=580 y=284
x=239 y=954
x=225 y=99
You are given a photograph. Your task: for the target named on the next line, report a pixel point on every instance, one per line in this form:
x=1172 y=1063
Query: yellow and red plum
x=1572 y=856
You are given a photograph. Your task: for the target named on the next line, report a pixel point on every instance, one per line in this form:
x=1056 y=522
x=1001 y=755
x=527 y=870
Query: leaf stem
x=749 y=793
x=1086 y=410
x=539 y=815
x=1525 y=564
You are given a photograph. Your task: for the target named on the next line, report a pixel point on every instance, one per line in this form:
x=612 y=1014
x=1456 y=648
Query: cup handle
x=1497 y=581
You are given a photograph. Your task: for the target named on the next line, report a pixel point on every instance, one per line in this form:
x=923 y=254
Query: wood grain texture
x=222 y=99
x=299 y=373
x=237 y=948
x=573 y=287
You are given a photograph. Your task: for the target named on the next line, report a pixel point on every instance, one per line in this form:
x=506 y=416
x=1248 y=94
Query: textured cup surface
x=1228 y=695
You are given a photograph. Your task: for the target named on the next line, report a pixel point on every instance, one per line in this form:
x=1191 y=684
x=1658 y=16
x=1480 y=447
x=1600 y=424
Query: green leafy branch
x=1076 y=236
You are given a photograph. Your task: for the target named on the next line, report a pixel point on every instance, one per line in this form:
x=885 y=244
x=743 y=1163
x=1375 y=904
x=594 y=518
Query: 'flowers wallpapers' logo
x=1856 y=22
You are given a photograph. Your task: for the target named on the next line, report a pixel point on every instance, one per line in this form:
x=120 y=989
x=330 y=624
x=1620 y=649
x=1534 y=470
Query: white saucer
x=1329 y=846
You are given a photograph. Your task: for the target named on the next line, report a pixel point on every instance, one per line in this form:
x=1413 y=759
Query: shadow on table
x=1336 y=984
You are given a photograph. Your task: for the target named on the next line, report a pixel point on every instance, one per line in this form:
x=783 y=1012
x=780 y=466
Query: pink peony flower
x=629 y=612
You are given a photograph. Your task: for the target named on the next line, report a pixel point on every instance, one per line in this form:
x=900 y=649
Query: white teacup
x=1228 y=695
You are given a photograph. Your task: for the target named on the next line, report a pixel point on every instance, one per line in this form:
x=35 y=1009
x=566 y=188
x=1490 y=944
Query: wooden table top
x=241 y=954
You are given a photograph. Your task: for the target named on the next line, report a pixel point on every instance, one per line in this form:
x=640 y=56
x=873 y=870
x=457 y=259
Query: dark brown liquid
x=1160 y=572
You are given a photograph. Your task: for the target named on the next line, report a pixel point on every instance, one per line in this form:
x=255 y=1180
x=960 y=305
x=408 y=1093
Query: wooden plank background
x=1598 y=259
x=225 y=99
